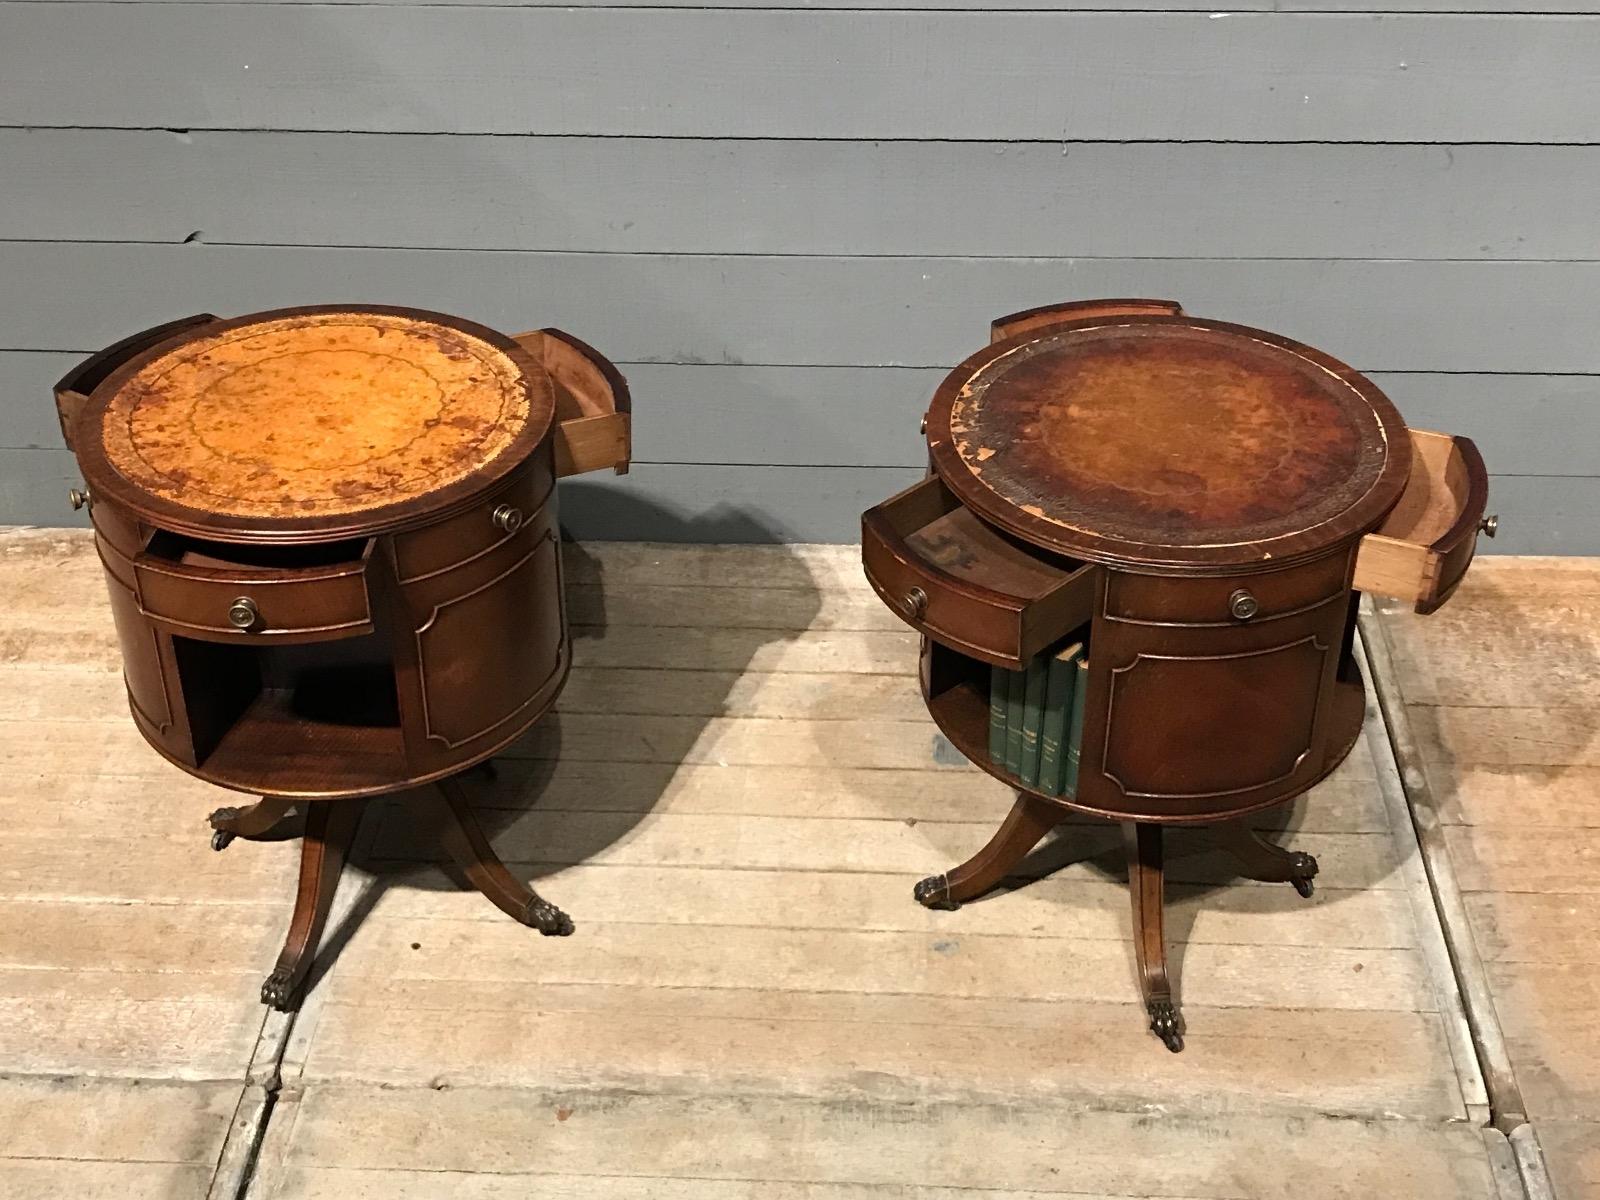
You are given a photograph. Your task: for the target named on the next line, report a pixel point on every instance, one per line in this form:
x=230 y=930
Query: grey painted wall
x=787 y=221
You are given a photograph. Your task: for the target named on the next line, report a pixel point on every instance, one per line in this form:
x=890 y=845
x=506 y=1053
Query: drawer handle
x=1490 y=525
x=507 y=517
x=1243 y=605
x=79 y=498
x=916 y=603
x=243 y=613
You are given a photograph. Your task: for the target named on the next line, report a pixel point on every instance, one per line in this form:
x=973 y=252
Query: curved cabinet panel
x=1214 y=725
x=485 y=656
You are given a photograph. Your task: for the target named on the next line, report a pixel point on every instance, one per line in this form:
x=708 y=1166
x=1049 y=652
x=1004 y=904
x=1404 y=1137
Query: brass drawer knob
x=79 y=498
x=1243 y=605
x=243 y=613
x=1490 y=524
x=916 y=603
x=507 y=517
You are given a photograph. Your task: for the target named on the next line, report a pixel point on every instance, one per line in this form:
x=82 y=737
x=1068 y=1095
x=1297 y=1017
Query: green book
x=1080 y=688
x=999 y=681
x=1057 y=712
x=1032 y=718
x=1016 y=694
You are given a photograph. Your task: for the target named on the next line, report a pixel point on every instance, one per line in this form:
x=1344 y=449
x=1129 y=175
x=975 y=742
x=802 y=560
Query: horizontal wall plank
x=1382 y=315
x=1290 y=6
x=801 y=197
x=692 y=503
x=868 y=416
x=699 y=73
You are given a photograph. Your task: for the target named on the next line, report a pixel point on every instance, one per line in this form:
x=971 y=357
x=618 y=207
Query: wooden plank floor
x=733 y=802
x=130 y=955
x=1502 y=691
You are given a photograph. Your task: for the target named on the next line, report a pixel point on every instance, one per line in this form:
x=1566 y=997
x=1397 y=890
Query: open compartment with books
x=948 y=574
x=1022 y=726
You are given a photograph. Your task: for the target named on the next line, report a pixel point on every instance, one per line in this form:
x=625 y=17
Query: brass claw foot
x=278 y=990
x=547 y=918
x=1165 y=1024
x=1302 y=871
x=221 y=839
x=934 y=892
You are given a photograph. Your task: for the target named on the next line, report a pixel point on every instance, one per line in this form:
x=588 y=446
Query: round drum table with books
x=330 y=541
x=1188 y=509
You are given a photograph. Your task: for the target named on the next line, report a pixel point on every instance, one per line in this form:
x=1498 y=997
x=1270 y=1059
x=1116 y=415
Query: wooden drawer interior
x=1423 y=547
x=593 y=406
x=966 y=584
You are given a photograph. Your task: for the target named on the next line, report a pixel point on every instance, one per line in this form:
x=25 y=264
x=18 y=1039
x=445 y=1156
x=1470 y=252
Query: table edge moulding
x=1214 y=631
x=319 y=633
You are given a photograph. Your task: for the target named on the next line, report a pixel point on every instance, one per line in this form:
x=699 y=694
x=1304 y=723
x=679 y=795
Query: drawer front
x=1227 y=600
x=983 y=626
x=486 y=527
x=214 y=603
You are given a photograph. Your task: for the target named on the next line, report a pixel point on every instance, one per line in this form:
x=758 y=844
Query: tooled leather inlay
x=317 y=414
x=1167 y=435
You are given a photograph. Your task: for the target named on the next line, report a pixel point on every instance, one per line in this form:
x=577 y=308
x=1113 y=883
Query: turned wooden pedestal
x=330 y=542
x=1200 y=504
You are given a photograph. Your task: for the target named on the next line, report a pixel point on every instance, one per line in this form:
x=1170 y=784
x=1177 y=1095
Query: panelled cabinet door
x=492 y=651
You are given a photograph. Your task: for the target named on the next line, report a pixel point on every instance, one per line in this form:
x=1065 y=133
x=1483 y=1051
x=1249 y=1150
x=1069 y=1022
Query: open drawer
x=1030 y=320
x=593 y=407
x=965 y=584
x=220 y=591
x=1423 y=547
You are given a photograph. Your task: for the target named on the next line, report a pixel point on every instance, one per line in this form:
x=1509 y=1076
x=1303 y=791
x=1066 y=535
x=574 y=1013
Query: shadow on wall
x=659 y=642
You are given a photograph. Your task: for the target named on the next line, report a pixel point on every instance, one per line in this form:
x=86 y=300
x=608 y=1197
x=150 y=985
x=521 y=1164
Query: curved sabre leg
x=1262 y=860
x=330 y=827
x=1024 y=827
x=464 y=838
x=249 y=822
x=1146 y=887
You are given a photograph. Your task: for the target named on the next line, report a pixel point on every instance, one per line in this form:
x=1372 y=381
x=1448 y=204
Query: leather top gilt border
x=1369 y=462
x=183 y=508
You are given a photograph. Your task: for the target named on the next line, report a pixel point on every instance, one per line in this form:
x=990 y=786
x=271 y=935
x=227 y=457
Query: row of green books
x=1036 y=719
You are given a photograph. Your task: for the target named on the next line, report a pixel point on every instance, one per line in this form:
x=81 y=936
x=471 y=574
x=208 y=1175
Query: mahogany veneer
x=1200 y=502
x=330 y=540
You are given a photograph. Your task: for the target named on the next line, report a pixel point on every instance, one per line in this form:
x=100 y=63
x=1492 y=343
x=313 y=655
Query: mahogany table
x=1200 y=503
x=329 y=536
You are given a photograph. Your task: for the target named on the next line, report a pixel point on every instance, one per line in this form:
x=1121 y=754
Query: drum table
x=330 y=540
x=1199 y=503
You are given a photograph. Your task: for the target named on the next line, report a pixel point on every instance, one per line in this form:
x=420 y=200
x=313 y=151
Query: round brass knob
x=923 y=428
x=916 y=603
x=1490 y=524
x=1243 y=605
x=243 y=613
x=79 y=498
x=507 y=517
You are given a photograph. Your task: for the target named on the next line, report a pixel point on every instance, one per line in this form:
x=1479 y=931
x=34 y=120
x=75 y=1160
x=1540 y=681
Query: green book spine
x=1032 y=718
x=1053 y=728
x=1016 y=694
x=999 y=681
x=1080 y=689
